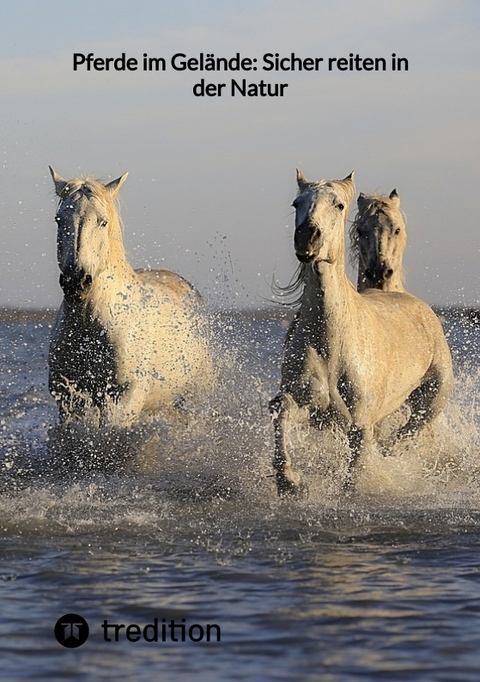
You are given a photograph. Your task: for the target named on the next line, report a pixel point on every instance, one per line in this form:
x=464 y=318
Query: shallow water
x=184 y=523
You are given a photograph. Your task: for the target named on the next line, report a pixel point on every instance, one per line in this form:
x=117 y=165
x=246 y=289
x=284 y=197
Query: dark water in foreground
x=185 y=524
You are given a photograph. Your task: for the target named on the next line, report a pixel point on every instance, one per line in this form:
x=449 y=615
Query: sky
x=211 y=179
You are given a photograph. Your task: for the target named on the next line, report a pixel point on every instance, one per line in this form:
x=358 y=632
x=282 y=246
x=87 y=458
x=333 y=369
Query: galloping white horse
x=352 y=358
x=126 y=344
x=377 y=242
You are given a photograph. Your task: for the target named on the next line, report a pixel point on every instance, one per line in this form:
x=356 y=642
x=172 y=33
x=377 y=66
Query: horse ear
x=394 y=196
x=114 y=186
x=362 y=201
x=302 y=181
x=58 y=181
x=349 y=185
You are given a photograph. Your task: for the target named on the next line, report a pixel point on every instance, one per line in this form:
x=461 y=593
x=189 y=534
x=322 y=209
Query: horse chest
x=82 y=353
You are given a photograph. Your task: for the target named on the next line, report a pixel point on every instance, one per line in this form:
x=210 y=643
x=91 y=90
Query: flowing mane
x=293 y=288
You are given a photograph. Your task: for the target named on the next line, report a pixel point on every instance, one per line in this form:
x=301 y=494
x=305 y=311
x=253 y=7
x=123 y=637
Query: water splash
x=210 y=480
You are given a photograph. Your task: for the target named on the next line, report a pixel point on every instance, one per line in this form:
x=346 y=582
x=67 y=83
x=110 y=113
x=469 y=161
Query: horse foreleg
x=354 y=437
x=115 y=391
x=359 y=440
x=288 y=480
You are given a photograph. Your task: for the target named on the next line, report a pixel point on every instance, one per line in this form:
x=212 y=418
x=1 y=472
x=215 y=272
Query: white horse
x=378 y=238
x=352 y=358
x=126 y=344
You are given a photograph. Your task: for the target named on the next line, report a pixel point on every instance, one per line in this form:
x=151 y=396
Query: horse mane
x=373 y=204
x=345 y=189
x=293 y=288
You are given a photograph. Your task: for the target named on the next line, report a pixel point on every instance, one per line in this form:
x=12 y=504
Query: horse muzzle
x=75 y=283
x=375 y=277
x=306 y=243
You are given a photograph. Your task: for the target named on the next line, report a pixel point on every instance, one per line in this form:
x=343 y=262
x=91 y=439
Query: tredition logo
x=71 y=630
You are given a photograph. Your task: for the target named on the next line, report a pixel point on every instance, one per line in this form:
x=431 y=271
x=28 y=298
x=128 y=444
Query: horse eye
x=57 y=219
x=340 y=207
x=103 y=223
x=397 y=231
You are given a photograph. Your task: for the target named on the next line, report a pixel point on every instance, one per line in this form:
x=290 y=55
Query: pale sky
x=211 y=179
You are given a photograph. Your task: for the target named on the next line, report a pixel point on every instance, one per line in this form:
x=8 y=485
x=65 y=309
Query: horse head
x=320 y=213
x=87 y=229
x=380 y=235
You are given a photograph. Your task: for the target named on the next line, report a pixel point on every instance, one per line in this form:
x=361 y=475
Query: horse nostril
x=74 y=282
x=388 y=273
x=304 y=256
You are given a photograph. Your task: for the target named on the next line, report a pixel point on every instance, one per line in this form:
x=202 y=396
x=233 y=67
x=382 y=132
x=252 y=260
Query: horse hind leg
x=288 y=480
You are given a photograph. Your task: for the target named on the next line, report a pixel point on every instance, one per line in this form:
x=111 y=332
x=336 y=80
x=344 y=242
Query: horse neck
x=116 y=278
x=327 y=298
x=118 y=257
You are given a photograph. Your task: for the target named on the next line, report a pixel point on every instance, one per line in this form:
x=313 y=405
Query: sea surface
x=166 y=536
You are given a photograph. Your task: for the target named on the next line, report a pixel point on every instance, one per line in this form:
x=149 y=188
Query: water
x=185 y=524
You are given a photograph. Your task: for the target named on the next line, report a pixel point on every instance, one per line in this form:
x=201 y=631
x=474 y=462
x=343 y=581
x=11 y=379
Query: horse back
x=407 y=324
x=170 y=281
x=393 y=309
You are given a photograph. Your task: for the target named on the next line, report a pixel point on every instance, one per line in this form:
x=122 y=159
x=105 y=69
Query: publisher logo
x=71 y=630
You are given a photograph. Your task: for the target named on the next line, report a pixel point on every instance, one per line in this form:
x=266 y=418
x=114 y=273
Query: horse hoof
x=180 y=403
x=115 y=392
x=286 y=488
x=349 y=485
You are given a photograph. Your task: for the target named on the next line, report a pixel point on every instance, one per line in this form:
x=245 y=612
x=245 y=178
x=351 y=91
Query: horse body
x=352 y=358
x=126 y=344
x=378 y=239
